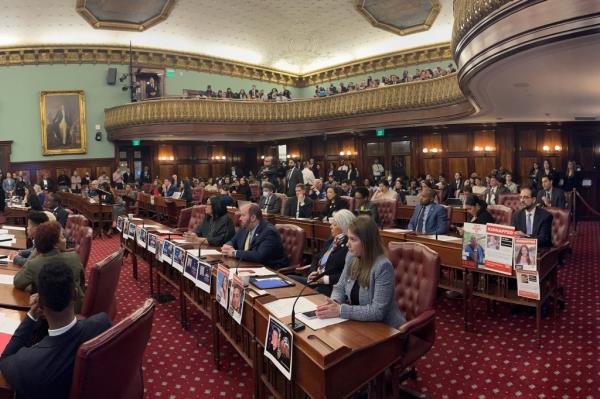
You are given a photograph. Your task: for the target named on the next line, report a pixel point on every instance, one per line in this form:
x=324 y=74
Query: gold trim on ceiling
x=91 y=19
x=119 y=55
x=426 y=25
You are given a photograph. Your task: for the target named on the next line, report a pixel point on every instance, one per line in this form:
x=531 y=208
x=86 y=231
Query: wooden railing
x=467 y=13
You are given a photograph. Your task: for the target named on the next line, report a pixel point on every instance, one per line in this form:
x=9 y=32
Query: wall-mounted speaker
x=98 y=136
x=111 y=76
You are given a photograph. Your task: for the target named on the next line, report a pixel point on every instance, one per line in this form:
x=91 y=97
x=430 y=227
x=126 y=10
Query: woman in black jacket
x=32 y=200
x=477 y=209
x=186 y=191
x=244 y=188
x=334 y=202
x=217 y=227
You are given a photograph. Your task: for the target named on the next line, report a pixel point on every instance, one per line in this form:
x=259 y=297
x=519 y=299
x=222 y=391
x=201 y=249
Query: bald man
x=429 y=217
x=256 y=241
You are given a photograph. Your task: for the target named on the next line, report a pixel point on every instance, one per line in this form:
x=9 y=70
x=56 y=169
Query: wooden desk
x=20 y=237
x=16 y=215
x=10 y=297
x=6 y=391
x=98 y=214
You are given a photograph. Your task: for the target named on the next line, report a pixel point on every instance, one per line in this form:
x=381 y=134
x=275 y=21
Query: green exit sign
x=170 y=73
x=380 y=132
x=135 y=143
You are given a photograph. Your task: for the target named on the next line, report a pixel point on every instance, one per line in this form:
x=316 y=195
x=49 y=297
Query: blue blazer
x=265 y=248
x=436 y=223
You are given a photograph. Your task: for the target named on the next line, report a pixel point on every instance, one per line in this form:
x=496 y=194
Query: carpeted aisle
x=499 y=360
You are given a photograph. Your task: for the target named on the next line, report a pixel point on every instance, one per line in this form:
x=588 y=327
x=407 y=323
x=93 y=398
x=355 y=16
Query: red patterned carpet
x=499 y=360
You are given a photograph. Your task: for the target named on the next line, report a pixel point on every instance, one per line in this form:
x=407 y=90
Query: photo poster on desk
x=142 y=236
x=528 y=285
x=131 y=229
x=190 y=270
x=278 y=346
x=236 y=299
x=152 y=243
x=525 y=255
x=120 y=221
x=178 y=258
x=126 y=229
x=159 y=249
x=167 y=252
x=204 y=276
x=222 y=285
x=499 y=248
x=473 y=246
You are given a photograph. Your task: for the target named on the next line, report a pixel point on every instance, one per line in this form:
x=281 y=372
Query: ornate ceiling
x=298 y=37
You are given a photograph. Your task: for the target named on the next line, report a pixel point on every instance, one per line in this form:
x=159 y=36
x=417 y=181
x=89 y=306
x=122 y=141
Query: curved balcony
x=428 y=101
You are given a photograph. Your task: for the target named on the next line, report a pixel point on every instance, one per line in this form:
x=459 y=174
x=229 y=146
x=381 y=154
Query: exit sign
x=170 y=73
x=135 y=143
x=380 y=132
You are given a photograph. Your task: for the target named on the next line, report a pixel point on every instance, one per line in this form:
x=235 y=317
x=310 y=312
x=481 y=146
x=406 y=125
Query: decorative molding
x=426 y=25
x=443 y=91
x=115 y=55
x=90 y=18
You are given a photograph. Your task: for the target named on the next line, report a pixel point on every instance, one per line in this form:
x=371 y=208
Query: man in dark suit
x=429 y=217
x=362 y=205
x=256 y=241
x=55 y=206
x=167 y=188
x=293 y=177
x=45 y=370
x=455 y=185
x=550 y=195
x=532 y=221
x=347 y=189
x=268 y=171
x=299 y=206
x=47 y=183
x=492 y=194
x=269 y=202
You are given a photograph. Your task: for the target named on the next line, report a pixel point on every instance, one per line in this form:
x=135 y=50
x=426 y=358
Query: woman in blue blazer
x=365 y=290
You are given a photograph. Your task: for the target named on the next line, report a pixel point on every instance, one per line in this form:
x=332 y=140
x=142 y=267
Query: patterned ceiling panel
x=400 y=16
x=288 y=35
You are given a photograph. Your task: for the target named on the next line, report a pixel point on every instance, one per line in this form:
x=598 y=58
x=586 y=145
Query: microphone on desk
x=295 y=324
x=237 y=264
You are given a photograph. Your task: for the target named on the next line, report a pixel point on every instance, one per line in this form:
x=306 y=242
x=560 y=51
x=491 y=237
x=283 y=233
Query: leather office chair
x=292 y=239
x=387 y=212
x=254 y=192
x=82 y=243
x=284 y=200
x=449 y=216
x=184 y=219
x=197 y=217
x=510 y=200
x=147 y=187
x=502 y=214
x=350 y=201
x=197 y=195
x=102 y=286
x=74 y=224
x=417 y=270
x=561 y=224
x=110 y=365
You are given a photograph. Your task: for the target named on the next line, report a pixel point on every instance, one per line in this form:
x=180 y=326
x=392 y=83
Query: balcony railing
x=414 y=95
x=467 y=13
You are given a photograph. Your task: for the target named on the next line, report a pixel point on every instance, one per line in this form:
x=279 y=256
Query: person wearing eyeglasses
x=533 y=221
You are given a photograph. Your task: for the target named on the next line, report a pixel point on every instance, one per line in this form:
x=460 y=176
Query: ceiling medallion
x=401 y=17
x=132 y=15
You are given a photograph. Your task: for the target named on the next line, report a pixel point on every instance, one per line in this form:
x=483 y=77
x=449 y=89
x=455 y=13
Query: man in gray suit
x=269 y=202
x=293 y=177
x=429 y=217
x=551 y=196
x=496 y=188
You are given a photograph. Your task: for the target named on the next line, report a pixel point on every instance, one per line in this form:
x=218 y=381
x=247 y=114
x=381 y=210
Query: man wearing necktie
x=269 y=202
x=428 y=217
x=550 y=195
x=496 y=188
x=293 y=177
x=532 y=221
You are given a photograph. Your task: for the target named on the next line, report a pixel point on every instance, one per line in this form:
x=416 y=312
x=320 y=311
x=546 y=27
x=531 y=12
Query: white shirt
x=308 y=176
x=389 y=195
x=377 y=169
x=62 y=330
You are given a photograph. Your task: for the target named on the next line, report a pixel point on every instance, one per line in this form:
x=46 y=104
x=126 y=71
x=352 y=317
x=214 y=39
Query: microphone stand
x=295 y=324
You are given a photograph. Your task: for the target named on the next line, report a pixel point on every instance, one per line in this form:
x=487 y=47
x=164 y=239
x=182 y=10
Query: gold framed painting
x=63 y=122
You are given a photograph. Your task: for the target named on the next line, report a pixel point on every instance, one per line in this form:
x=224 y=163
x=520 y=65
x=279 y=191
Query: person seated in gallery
x=326 y=268
x=533 y=221
x=45 y=370
x=269 y=203
x=51 y=246
x=334 y=203
x=428 y=217
x=31 y=199
x=256 y=241
x=365 y=289
x=243 y=188
x=384 y=192
x=167 y=188
x=551 y=196
x=55 y=206
x=477 y=209
x=362 y=205
x=217 y=227
x=299 y=206
x=34 y=219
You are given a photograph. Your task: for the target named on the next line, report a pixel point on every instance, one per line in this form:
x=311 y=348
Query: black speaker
x=111 y=76
x=98 y=136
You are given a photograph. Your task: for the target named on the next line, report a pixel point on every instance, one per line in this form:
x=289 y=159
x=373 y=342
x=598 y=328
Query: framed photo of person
x=204 y=276
x=167 y=252
x=236 y=299
x=178 y=258
x=63 y=122
x=142 y=236
x=131 y=228
x=191 y=268
x=152 y=243
x=278 y=346
x=120 y=221
x=222 y=286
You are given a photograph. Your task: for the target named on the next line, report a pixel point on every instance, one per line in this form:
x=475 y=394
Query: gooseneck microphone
x=295 y=324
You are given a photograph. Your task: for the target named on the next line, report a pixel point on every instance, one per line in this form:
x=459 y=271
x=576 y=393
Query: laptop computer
x=412 y=200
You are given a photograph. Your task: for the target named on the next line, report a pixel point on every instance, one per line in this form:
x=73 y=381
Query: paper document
x=205 y=252
x=13 y=227
x=9 y=325
x=316 y=323
x=397 y=230
x=443 y=237
x=6 y=237
x=165 y=232
x=180 y=241
x=6 y=279
x=256 y=271
x=151 y=227
x=3 y=231
x=283 y=307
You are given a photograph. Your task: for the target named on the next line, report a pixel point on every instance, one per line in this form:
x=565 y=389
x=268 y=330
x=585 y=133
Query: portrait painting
x=63 y=122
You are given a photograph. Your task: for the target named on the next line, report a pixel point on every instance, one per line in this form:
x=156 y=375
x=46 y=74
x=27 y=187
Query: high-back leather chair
x=417 y=270
x=254 y=191
x=292 y=239
x=387 y=212
x=510 y=200
x=197 y=217
x=561 y=224
x=350 y=201
x=102 y=286
x=284 y=200
x=184 y=219
x=110 y=365
x=197 y=195
x=82 y=242
x=74 y=224
x=501 y=214
x=448 y=210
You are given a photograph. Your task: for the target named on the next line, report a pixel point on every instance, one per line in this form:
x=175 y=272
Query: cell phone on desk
x=311 y=314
